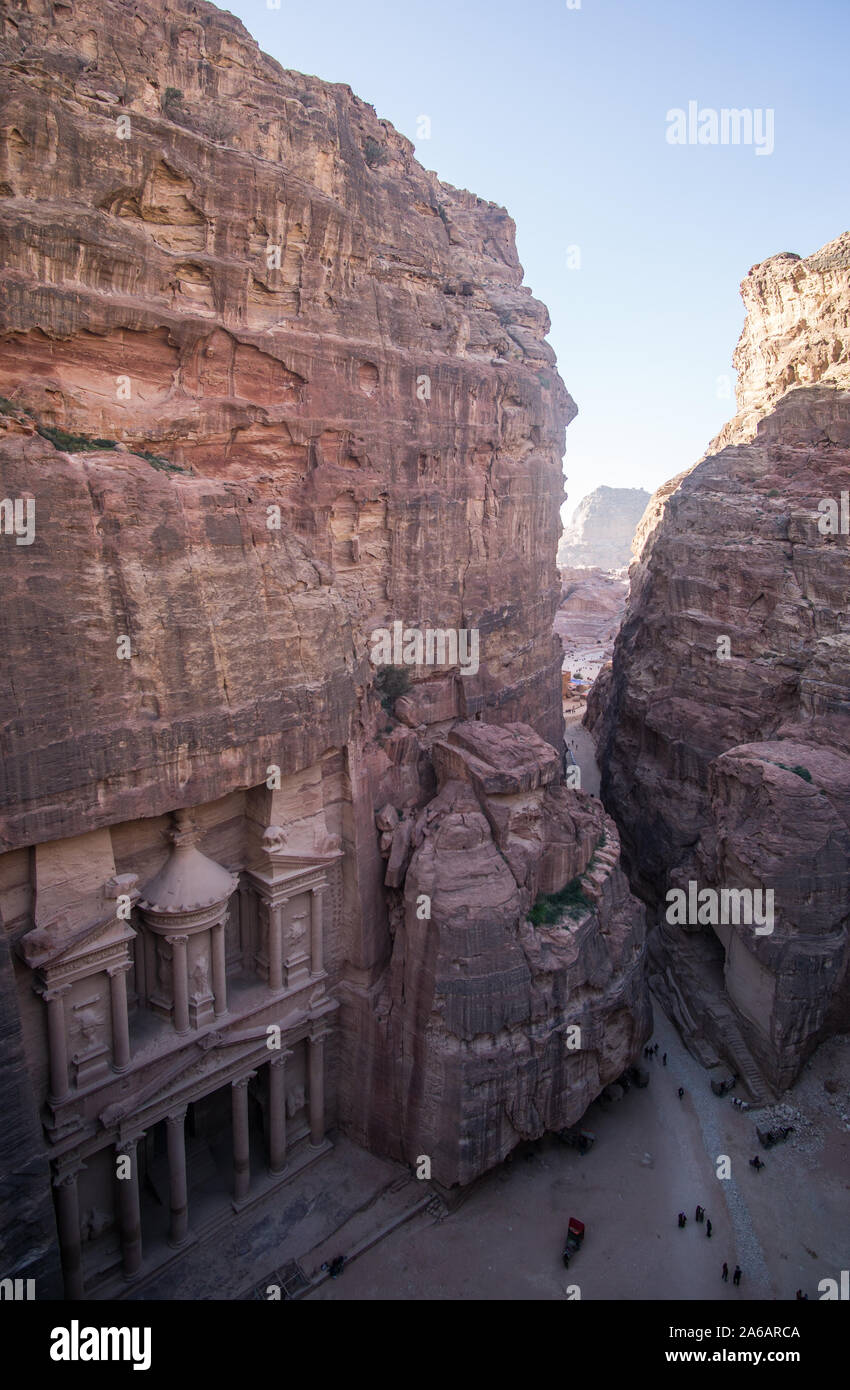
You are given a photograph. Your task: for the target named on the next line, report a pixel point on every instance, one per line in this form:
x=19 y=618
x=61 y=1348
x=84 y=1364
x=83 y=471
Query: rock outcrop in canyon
x=269 y=387
x=723 y=725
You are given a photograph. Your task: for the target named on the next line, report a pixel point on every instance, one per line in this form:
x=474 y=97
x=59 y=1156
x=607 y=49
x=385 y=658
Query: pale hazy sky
x=560 y=114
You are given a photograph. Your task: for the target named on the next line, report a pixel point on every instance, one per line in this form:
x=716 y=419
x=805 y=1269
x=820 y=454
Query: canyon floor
x=786 y=1225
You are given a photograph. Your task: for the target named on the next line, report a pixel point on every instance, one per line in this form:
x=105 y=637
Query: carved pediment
x=65 y=942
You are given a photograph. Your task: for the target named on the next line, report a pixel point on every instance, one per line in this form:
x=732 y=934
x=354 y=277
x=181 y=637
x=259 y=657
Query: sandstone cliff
x=722 y=726
x=272 y=386
x=602 y=528
x=795 y=332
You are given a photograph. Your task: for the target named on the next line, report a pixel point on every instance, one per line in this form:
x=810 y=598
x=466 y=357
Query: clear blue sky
x=561 y=116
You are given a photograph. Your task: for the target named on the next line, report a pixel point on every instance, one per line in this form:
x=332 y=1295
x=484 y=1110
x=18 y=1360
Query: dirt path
x=504 y=1242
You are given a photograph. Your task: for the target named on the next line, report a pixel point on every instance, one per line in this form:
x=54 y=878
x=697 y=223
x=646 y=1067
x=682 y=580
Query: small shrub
x=157 y=461
x=390 y=683
x=171 y=95
x=74 y=443
x=552 y=906
x=444 y=216
x=374 y=154
x=800 y=771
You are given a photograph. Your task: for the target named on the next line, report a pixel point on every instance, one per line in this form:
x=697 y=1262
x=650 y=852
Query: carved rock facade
x=317 y=400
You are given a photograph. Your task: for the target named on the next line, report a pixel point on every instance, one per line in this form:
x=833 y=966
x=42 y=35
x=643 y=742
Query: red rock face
x=317 y=401
x=723 y=729
x=261 y=286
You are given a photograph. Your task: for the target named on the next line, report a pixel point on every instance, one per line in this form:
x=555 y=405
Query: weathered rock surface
x=795 y=334
x=332 y=408
x=387 y=387
x=734 y=770
x=602 y=527
x=479 y=1003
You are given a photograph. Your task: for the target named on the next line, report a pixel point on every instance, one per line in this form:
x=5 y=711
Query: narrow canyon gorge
x=269 y=389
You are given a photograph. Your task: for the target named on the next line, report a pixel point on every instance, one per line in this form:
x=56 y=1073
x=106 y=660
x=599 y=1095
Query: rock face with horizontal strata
x=736 y=770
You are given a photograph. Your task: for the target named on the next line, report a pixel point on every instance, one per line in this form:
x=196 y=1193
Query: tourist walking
x=664 y=1059
x=681 y=1092
x=736 y=1277
x=708 y=1228
x=725 y=1275
x=699 y=1214
x=682 y=1220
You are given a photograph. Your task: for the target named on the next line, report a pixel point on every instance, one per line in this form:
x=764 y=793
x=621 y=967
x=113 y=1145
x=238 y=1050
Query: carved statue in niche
x=200 y=979
x=163 y=968
x=295 y=1100
x=87 y=1023
x=94 y=1223
x=298 y=928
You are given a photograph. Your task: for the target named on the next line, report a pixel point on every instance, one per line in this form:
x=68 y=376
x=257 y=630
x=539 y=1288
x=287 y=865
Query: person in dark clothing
x=699 y=1214
x=664 y=1059
x=656 y=1049
x=682 y=1220
x=725 y=1275
x=681 y=1092
x=708 y=1228
x=736 y=1277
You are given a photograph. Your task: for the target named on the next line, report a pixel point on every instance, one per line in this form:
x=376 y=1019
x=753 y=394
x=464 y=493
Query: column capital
x=243 y=1080
x=51 y=992
x=120 y=969
x=127 y=1144
x=177 y=1116
x=279 y=1056
x=178 y=940
x=68 y=1173
x=318 y=888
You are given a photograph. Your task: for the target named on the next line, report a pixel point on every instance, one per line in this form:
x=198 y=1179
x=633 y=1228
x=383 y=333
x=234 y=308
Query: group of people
x=699 y=1216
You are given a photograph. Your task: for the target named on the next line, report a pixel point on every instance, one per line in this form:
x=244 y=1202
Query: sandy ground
x=654 y=1155
x=583 y=748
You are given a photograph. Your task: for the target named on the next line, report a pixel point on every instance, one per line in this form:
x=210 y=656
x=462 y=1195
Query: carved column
x=180 y=977
x=241 y=1138
x=120 y=1019
x=177 y=1178
x=316 y=943
x=275 y=945
x=277 y=1113
x=219 y=969
x=57 y=1041
x=129 y=1214
x=317 y=1089
x=68 y=1225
